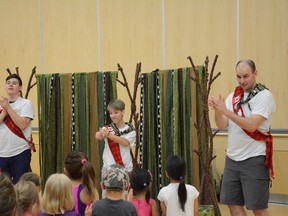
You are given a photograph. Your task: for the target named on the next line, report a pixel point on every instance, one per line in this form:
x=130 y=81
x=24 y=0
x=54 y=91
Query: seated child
x=115 y=180
x=57 y=197
x=178 y=198
x=140 y=183
x=28 y=198
x=8 y=201
x=33 y=177
x=83 y=178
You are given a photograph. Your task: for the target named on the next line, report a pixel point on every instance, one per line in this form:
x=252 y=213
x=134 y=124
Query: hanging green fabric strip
x=169 y=115
x=165 y=121
x=82 y=108
x=187 y=114
x=67 y=110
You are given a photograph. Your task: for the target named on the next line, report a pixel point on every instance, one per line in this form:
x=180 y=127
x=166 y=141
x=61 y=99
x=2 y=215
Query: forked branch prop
x=204 y=81
x=134 y=115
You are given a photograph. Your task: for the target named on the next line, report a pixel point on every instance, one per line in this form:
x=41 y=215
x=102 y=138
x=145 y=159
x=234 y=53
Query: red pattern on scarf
x=17 y=131
x=257 y=135
x=114 y=148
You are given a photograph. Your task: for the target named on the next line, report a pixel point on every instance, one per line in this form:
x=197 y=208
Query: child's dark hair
x=140 y=180
x=15 y=76
x=77 y=166
x=176 y=169
x=116 y=104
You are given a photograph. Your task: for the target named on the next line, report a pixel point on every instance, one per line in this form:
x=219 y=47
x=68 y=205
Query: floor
x=274 y=210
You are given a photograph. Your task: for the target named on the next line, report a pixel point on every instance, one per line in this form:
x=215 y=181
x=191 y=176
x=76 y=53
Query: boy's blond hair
x=57 y=188
x=116 y=104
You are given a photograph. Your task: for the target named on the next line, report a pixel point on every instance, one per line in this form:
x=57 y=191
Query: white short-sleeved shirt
x=169 y=195
x=11 y=144
x=240 y=145
x=108 y=158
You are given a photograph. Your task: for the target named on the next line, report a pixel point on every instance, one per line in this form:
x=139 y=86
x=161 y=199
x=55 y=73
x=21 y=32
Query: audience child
x=8 y=203
x=27 y=198
x=82 y=175
x=119 y=137
x=115 y=180
x=178 y=198
x=33 y=177
x=140 y=183
x=58 y=198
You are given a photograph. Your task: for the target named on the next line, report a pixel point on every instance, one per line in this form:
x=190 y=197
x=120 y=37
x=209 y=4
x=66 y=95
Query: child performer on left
x=16 y=114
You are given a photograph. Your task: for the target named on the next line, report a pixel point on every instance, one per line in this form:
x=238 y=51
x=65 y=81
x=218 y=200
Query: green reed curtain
x=165 y=121
x=71 y=107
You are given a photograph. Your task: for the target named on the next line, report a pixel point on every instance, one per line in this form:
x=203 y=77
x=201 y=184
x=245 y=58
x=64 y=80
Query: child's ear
x=35 y=208
x=102 y=186
x=15 y=211
x=65 y=171
x=167 y=174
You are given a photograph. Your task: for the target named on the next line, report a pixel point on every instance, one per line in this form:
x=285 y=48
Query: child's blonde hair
x=27 y=196
x=32 y=177
x=57 y=197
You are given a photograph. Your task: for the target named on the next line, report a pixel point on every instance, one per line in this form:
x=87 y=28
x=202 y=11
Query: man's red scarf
x=257 y=135
x=17 y=131
x=114 y=146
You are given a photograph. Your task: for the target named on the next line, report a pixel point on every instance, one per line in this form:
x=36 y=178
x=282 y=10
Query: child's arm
x=95 y=195
x=163 y=208
x=88 y=210
x=130 y=195
x=196 y=207
x=154 y=209
x=121 y=140
x=87 y=198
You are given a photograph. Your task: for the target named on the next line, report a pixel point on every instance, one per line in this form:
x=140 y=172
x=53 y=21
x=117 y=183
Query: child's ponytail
x=140 y=180
x=176 y=169
x=147 y=195
x=88 y=175
x=78 y=167
x=182 y=193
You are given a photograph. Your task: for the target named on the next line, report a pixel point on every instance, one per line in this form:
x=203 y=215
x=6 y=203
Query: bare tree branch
x=29 y=87
x=134 y=115
x=205 y=136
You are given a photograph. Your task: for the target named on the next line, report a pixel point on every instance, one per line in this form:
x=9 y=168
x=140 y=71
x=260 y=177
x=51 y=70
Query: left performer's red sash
x=257 y=135
x=17 y=131
x=114 y=148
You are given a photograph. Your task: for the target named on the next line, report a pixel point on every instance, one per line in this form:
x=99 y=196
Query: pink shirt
x=142 y=207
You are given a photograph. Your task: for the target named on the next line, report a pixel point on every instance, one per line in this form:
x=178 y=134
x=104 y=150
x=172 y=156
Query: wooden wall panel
x=264 y=38
x=201 y=28
x=69 y=36
x=130 y=33
x=19 y=42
